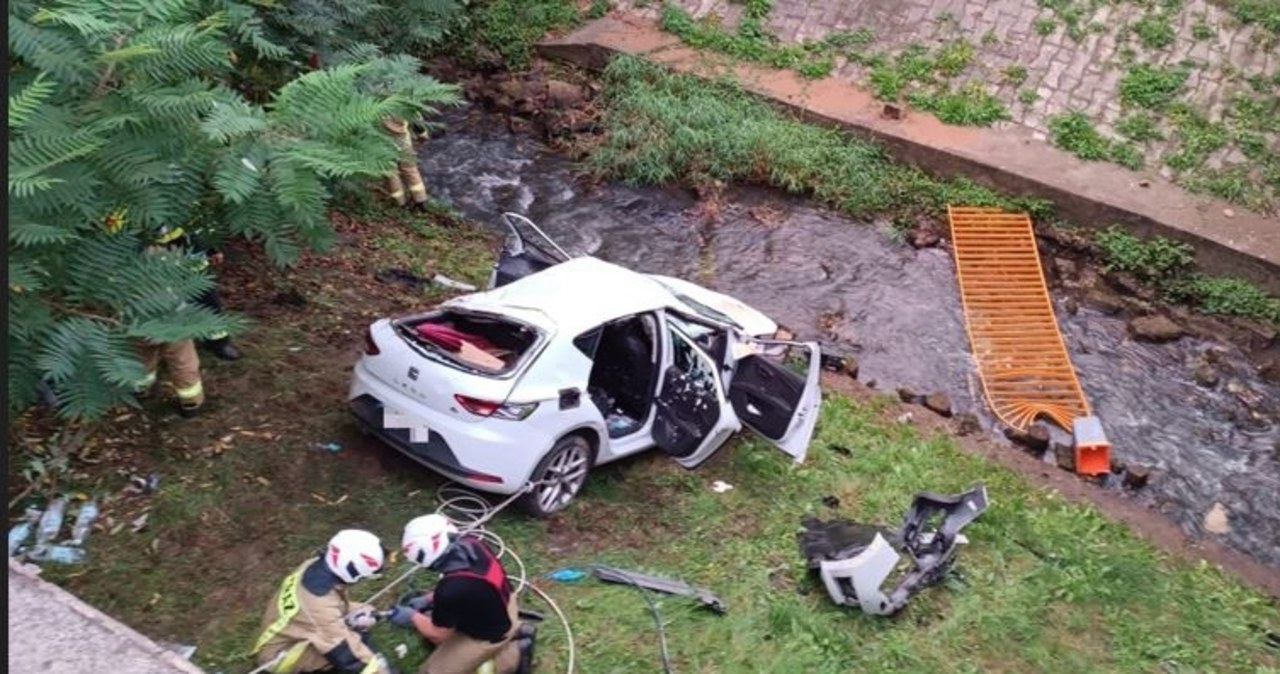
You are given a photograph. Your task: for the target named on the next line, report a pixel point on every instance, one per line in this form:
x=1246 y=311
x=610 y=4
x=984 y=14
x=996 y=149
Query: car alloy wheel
x=560 y=475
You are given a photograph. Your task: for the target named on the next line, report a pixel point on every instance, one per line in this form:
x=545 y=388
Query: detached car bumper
x=501 y=467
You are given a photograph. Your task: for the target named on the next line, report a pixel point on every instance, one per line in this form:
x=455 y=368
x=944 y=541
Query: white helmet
x=354 y=554
x=426 y=537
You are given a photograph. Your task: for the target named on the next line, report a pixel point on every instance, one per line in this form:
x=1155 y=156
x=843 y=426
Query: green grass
x=1264 y=13
x=754 y=43
x=667 y=128
x=1015 y=74
x=1169 y=266
x=969 y=105
x=1028 y=96
x=1196 y=138
x=511 y=28
x=1074 y=591
x=1074 y=132
x=1202 y=31
x=1152 y=87
x=1139 y=128
x=1045 y=26
x=1155 y=31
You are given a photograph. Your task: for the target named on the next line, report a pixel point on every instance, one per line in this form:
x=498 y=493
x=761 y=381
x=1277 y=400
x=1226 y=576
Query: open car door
x=692 y=418
x=526 y=250
x=776 y=391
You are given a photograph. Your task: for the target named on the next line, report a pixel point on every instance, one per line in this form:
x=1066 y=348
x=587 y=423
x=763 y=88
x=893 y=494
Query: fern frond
x=233 y=119
x=87 y=25
x=23 y=106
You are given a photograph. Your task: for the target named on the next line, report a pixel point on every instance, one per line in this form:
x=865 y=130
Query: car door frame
x=726 y=424
x=807 y=408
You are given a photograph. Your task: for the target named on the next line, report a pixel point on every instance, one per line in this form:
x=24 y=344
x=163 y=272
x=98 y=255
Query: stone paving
x=1065 y=74
x=53 y=632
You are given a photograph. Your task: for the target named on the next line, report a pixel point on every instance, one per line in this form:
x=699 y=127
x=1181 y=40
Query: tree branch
x=110 y=72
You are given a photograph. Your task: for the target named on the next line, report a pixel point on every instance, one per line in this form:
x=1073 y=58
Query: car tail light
x=495 y=410
x=370 y=346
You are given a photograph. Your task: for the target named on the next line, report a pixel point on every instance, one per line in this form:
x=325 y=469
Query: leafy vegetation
x=969 y=105
x=1159 y=259
x=1016 y=74
x=753 y=42
x=124 y=120
x=511 y=28
x=1074 y=132
x=1169 y=266
x=1152 y=87
x=663 y=128
x=1139 y=128
x=1045 y=26
x=1155 y=31
x=1264 y=13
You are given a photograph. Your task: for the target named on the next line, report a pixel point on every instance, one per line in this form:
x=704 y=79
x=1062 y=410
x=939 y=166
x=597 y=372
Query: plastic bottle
x=63 y=554
x=84 y=522
x=51 y=521
x=22 y=530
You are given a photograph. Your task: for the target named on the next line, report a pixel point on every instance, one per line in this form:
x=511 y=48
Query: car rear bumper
x=509 y=467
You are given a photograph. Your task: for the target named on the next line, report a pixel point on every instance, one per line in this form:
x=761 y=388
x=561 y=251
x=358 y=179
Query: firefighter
x=471 y=616
x=201 y=257
x=183 y=364
x=180 y=357
x=311 y=626
x=406 y=168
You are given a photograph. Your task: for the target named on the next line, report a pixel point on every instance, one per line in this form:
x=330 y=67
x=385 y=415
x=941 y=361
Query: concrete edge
x=30 y=573
x=1089 y=194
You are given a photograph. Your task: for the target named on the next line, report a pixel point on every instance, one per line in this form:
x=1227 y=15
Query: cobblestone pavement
x=1064 y=73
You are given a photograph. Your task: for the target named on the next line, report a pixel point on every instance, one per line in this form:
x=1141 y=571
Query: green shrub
x=1159 y=259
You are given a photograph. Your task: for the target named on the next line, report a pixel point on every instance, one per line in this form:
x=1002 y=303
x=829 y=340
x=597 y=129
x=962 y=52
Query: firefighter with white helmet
x=311 y=626
x=471 y=616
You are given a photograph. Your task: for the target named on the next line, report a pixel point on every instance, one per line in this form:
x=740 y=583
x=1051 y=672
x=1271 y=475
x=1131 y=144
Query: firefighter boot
x=222 y=348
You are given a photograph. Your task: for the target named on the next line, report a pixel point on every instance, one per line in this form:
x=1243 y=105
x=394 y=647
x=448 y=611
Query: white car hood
x=752 y=321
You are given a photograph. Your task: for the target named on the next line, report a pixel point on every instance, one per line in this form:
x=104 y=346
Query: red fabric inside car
x=450 y=339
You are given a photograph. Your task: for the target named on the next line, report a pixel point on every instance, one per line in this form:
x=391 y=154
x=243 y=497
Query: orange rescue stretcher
x=1022 y=359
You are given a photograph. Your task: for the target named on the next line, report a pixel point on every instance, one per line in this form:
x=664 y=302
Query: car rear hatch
x=454 y=361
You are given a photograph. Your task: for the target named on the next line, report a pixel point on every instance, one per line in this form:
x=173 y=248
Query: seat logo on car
x=413 y=373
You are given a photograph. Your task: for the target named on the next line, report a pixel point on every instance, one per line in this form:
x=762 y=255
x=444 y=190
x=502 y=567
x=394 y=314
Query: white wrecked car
x=571 y=362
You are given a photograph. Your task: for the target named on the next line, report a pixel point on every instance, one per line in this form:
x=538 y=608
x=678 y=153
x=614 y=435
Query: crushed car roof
x=575 y=295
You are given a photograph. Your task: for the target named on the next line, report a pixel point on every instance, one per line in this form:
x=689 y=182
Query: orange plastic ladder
x=1022 y=359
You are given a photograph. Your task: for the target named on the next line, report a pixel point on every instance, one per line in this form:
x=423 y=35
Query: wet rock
x=906 y=395
x=939 y=403
x=1106 y=302
x=1129 y=284
x=1217 y=521
x=1156 y=329
x=1205 y=374
x=1071 y=306
x=1035 y=438
x=1137 y=476
x=923 y=238
x=967 y=424
x=840 y=364
x=518 y=124
x=1270 y=371
x=1138 y=307
x=561 y=95
x=1065 y=267
x=513 y=90
x=1065 y=457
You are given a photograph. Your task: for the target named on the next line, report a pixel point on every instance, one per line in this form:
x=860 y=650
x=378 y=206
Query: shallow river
x=850 y=284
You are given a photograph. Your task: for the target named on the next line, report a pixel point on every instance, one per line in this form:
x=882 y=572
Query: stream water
x=897 y=309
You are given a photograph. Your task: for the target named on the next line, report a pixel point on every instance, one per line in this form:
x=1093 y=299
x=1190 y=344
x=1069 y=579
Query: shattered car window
x=694 y=367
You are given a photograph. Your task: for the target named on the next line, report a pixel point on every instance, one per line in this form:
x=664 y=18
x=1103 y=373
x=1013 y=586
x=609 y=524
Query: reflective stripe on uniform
x=489 y=667
x=290 y=659
x=286 y=605
x=372 y=666
x=171 y=235
x=217 y=335
x=398 y=194
x=191 y=392
x=418 y=189
x=147 y=381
